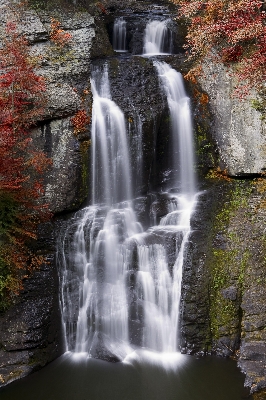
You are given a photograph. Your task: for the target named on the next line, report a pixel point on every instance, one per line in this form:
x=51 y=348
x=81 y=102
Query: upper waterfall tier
x=119 y=35
x=157 y=38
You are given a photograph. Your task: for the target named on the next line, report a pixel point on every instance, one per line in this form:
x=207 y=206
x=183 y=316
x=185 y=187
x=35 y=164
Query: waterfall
x=121 y=287
x=119 y=35
x=157 y=38
x=111 y=176
x=182 y=133
x=135 y=131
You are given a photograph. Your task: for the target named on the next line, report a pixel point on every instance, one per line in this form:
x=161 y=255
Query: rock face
x=253 y=325
x=224 y=293
x=67 y=74
x=66 y=182
x=30 y=331
x=237 y=127
x=225 y=270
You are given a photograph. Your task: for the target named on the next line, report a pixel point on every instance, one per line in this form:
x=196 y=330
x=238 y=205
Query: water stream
x=119 y=35
x=107 y=259
x=157 y=38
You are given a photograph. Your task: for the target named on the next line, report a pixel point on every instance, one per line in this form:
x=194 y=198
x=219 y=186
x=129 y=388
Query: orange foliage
x=191 y=76
x=202 y=98
x=80 y=121
x=218 y=173
x=59 y=36
x=82 y=118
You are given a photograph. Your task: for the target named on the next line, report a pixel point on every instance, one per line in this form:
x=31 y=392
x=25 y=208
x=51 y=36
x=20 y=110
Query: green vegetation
x=228 y=263
x=260 y=395
x=204 y=148
x=9 y=210
x=259 y=104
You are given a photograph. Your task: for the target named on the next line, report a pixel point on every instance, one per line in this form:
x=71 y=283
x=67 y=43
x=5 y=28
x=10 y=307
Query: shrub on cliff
x=21 y=166
x=236 y=30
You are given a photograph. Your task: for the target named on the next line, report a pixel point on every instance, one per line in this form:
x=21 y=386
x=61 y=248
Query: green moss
x=204 y=148
x=113 y=66
x=259 y=104
x=60 y=55
x=142 y=61
x=202 y=141
x=228 y=264
x=228 y=269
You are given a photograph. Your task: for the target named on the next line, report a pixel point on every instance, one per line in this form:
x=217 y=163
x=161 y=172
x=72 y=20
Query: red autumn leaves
x=22 y=99
x=237 y=31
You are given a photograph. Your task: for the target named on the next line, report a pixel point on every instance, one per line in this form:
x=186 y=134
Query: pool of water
x=140 y=377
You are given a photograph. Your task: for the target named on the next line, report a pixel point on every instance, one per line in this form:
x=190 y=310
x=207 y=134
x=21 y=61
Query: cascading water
x=182 y=143
x=120 y=287
x=162 y=291
x=157 y=38
x=110 y=157
x=119 y=35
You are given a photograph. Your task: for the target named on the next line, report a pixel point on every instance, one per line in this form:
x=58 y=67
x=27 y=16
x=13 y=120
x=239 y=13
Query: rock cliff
x=237 y=128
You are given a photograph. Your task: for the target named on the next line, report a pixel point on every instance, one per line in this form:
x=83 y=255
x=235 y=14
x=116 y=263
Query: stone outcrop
x=67 y=74
x=237 y=128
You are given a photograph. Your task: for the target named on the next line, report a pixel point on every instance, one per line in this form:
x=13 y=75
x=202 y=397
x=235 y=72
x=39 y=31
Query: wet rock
x=66 y=72
x=66 y=180
x=99 y=349
x=141 y=208
x=30 y=331
x=230 y=293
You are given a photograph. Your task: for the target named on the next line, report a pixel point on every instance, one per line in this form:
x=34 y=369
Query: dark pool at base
x=208 y=378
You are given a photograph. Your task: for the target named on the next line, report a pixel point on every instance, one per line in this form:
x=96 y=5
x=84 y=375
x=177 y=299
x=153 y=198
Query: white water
x=182 y=134
x=111 y=178
x=157 y=38
x=119 y=35
x=120 y=290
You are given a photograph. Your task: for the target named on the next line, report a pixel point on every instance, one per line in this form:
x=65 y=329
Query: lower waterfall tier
x=121 y=285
